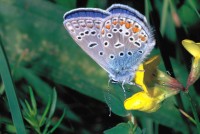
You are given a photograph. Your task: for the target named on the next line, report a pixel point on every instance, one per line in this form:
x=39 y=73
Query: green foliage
x=38 y=121
x=124 y=128
x=10 y=92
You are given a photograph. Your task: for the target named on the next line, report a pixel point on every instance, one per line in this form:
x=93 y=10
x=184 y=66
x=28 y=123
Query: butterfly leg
x=124 y=89
x=108 y=100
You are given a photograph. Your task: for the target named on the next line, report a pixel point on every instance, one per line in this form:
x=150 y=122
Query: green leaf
x=10 y=92
x=115 y=100
x=122 y=128
x=148 y=9
x=186 y=13
x=164 y=16
x=167 y=115
x=69 y=4
x=46 y=91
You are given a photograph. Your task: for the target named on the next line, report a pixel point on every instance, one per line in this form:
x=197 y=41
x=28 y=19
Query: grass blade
x=33 y=101
x=53 y=105
x=58 y=123
x=164 y=16
x=42 y=120
x=10 y=93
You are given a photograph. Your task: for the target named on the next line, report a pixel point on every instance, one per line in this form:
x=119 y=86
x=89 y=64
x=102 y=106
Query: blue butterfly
x=118 y=38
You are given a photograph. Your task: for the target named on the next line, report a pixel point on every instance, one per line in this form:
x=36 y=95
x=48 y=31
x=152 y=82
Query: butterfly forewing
x=84 y=26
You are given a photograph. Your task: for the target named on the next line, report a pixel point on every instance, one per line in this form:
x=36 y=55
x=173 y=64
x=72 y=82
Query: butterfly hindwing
x=138 y=18
x=126 y=39
x=84 y=26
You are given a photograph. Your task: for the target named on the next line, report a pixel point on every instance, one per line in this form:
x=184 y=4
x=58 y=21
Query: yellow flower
x=194 y=49
x=142 y=101
x=145 y=75
x=156 y=86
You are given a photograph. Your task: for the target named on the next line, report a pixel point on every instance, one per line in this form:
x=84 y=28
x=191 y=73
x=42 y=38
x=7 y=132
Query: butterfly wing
x=83 y=25
x=126 y=39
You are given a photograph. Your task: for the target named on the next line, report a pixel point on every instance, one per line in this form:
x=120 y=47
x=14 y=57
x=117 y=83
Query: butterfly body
x=118 y=38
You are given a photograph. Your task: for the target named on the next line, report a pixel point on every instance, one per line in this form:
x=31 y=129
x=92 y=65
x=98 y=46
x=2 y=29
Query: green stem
x=188 y=116
x=194 y=111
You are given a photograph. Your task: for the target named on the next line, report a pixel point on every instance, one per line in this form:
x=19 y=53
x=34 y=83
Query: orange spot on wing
x=108 y=26
x=102 y=31
x=122 y=23
x=128 y=25
x=98 y=26
x=135 y=29
x=114 y=22
x=90 y=26
x=143 y=38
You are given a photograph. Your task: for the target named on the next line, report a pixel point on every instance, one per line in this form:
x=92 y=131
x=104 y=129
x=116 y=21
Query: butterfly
x=118 y=38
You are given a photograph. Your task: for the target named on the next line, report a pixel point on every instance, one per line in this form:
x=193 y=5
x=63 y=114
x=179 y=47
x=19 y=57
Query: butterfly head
x=125 y=76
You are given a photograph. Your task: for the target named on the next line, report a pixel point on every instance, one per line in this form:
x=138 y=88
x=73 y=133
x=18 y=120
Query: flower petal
x=141 y=101
x=139 y=77
x=195 y=72
x=168 y=81
x=192 y=47
x=145 y=74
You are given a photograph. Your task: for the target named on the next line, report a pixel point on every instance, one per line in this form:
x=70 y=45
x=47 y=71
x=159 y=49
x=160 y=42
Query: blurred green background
x=43 y=55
